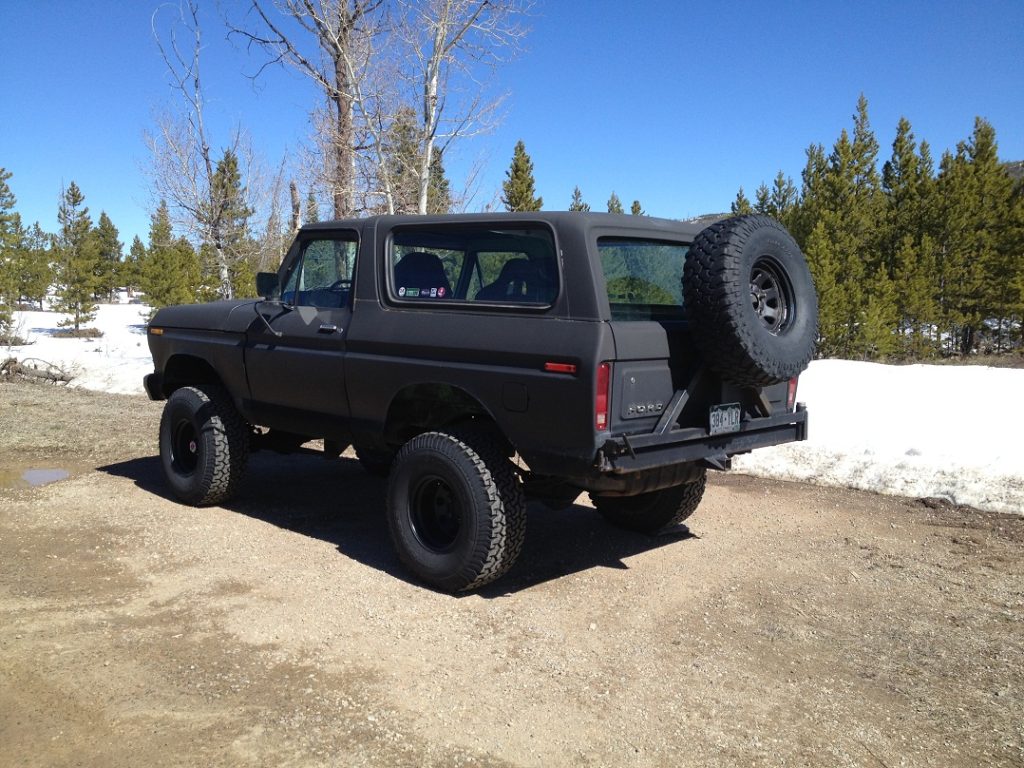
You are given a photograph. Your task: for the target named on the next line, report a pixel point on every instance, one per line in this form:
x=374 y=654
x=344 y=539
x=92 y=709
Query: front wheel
x=654 y=511
x=204 y=445
x=455 y=509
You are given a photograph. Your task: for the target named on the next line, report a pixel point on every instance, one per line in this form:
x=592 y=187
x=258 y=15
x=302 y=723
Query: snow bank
x=952 y=432
x=919 y=430
x=114 y=362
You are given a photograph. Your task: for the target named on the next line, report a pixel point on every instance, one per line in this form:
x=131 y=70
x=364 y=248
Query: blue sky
x=675 y=104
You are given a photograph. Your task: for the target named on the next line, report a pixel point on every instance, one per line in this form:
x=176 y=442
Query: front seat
x=424 y=273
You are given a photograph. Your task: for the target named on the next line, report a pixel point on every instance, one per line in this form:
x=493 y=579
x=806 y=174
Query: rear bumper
x=639 y=453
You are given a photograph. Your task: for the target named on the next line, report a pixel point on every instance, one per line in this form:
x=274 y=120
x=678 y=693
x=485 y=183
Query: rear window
x=643 y=277
x=473 y=264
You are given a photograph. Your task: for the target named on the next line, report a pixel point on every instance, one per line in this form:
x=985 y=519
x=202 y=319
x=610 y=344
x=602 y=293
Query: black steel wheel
x=204 y=445
x=455 y=509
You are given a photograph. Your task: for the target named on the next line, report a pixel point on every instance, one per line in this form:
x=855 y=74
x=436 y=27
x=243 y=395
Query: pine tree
x=977 y=266
x=108 y=266
x=231 y=241
x=439 y=196
x=518 y=187
x=312 y=209
x=614 y=204
x=10 y=223
x=403 y=162
x=78 y=256
x=170 y=271
x=33 y=268
x=741 y=205
x=577 y=204
x=636 y=210
x=843 y=206
x=908 y=253
x=131 y=267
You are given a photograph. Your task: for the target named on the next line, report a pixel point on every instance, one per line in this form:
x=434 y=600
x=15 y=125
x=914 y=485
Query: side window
x=473 y=265
x=322 y=276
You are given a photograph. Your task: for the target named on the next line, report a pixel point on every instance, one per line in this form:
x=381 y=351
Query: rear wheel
x=654 y=511
x=204 y=445
x=455 y=509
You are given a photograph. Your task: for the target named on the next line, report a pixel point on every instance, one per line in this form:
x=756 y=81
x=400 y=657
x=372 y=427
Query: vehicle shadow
x=337 y=502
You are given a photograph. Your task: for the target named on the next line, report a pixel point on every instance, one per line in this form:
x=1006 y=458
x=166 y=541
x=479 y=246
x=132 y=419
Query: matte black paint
x=349 y=374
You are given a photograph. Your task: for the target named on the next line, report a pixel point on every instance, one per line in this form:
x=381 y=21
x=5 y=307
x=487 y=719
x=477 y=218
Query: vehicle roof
x=642 y=225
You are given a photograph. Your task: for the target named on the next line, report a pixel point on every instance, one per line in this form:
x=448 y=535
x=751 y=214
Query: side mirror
x=266 y=284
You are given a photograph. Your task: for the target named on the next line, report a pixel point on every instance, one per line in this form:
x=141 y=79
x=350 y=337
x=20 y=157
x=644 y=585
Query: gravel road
x=788 y=625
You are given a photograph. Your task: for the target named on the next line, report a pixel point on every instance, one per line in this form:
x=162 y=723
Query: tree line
x=909 y=262
x=84 y=262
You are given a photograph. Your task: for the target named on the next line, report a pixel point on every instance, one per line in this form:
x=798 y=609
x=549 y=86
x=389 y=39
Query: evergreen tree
x=402 y=160
x=908 y=254
x=34 y=272
x=741 y=205
x=170 y=271
x=312 y=209
x=844 y=205
x=577 y=204
x=518 y=187
x=235 y=245
x=131 y=267
x=977 y=263
x=108 y=267
x=636 y=210
x=614 y=204
x=439 y=196
x=78 y=256
x=10 y=223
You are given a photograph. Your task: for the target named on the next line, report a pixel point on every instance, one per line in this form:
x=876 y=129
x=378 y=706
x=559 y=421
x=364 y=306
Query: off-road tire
x=655 y=511
x=455 y=509
x=750 y=301
x=204 y=445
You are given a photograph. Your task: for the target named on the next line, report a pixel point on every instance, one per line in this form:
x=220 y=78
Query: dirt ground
x=788 y=625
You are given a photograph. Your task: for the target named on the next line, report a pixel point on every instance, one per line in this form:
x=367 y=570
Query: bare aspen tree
x=184 y=170
x=448 y=41
x=373 y=60
x=326 y=40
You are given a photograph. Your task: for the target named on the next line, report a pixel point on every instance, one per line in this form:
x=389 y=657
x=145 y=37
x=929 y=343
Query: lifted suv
x=479 y=360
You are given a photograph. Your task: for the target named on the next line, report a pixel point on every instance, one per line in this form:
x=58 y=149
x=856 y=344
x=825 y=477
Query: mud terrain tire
x=750 y=301
x=655 y=511
x=204 y=445
x=455 y=509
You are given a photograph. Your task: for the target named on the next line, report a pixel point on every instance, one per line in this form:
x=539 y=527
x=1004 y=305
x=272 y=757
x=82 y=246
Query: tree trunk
x=296 y=221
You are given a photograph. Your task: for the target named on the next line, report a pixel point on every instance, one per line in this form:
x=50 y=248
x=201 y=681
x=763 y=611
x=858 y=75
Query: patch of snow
x=114 y=362
x=951 y=432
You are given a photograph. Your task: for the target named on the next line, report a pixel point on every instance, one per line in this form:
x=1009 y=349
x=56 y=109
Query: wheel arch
x=424 y=406
x=183 y=370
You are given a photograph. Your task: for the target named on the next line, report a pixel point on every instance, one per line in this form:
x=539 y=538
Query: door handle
x=327 y=328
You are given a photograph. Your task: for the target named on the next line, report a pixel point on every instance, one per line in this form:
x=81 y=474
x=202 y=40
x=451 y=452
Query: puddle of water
x=31 y=478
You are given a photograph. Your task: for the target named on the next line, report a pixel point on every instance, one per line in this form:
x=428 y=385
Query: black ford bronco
x=480 y=360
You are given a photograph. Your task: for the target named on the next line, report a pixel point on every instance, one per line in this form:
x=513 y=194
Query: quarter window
x=643 y=277
x=474 y=264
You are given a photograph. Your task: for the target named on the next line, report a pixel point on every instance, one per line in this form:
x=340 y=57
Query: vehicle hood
x=232 y=315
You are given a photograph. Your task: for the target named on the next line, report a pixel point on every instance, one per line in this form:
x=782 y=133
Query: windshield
x=643 y=277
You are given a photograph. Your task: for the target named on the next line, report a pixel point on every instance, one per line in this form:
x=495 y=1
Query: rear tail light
x=791 y=394
x=604 y=377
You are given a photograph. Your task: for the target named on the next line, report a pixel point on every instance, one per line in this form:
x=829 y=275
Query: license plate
x=725 y=418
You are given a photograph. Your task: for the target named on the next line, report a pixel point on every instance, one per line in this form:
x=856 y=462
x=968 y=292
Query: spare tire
x=750 y=301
